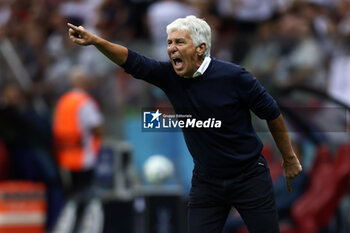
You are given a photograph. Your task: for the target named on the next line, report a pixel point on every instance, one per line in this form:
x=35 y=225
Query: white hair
x=199 y=29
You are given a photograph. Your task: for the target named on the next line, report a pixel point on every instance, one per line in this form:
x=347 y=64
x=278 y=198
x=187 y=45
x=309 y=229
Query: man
x=229 y=168
x=77 y=128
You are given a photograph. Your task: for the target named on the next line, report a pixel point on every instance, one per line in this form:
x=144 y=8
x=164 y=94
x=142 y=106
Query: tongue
x=178 y=64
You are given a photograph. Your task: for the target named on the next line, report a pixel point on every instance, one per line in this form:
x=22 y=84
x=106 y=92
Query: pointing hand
x=80 y=35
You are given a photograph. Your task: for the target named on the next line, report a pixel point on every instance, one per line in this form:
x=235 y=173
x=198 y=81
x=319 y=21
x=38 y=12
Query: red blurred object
x=4 y=161
x=242 y=230
x=320 y=191
x=267 y=151
x=323 y=156
x=342 y=163
x=340 y=175
x=286 y=228
x=275 y=165
x=329 y=182
x=22 y=207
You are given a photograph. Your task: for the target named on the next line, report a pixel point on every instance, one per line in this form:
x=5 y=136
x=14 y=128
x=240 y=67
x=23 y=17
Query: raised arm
x=291 y=165
x=116 y=53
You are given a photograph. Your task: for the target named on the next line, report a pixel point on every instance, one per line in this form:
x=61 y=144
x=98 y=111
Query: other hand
x=292 y=168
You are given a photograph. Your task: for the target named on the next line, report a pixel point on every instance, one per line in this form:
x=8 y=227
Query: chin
x=182 y=74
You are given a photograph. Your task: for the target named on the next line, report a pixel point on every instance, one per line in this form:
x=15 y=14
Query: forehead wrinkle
x=184 y=33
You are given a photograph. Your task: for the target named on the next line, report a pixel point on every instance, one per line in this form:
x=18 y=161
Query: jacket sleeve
x=145 y=68
x=254 y=96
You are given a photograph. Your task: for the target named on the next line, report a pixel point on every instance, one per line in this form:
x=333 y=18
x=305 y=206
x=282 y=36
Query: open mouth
x=178 y=63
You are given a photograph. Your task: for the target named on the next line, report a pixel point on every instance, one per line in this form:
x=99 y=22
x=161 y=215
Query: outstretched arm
x=116 y=53
x=291 y=165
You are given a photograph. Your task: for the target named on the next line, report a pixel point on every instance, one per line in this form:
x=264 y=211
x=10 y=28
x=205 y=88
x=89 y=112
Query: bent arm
x=291 y=164
x=115 y=52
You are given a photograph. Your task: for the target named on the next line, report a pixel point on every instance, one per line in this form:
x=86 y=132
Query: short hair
x=199 y=29
x=78 y=72
x=78 y=77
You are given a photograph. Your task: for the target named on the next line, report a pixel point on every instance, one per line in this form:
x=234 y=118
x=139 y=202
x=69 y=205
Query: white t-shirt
x=90 y=117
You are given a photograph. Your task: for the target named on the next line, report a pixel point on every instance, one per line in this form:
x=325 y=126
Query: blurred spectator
x=339 y=71
x=301 y=59
x=19 y=122
x=342 y=8
x=113 y=21
x=5 y=13
x=28 y=137
x=244 y=17
x=322 y=23
x=339 y=67
x=247 y=10
x=81 y=12
x=264 y=54
x=77 y=127
x=339 y=79
x=159 y=15
x=62 y=55
x=27 y=37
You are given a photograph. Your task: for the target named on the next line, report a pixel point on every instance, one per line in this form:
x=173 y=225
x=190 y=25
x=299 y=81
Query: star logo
x=156 y=115
x=151 y=119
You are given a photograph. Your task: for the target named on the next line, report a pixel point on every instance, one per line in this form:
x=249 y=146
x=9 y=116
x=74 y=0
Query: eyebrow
x=177 y=39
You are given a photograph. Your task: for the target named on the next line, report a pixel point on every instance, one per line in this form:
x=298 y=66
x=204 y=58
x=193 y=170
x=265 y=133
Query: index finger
x=289 y=185
x=75 y=28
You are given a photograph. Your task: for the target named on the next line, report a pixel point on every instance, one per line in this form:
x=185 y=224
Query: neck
x=199 y=61
x=198 y=64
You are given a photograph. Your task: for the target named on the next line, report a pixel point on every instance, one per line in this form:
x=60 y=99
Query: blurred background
x=298 y=49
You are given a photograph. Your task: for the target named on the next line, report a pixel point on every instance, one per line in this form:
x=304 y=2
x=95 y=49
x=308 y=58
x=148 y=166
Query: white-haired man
x=229 y=169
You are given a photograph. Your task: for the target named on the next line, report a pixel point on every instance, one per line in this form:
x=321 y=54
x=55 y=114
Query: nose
x=172 y=48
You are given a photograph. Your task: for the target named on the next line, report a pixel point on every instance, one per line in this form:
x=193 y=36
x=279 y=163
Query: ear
x=200 y=49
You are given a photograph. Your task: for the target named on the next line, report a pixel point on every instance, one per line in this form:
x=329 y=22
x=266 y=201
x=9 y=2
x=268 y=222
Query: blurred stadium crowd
x=284 y=43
